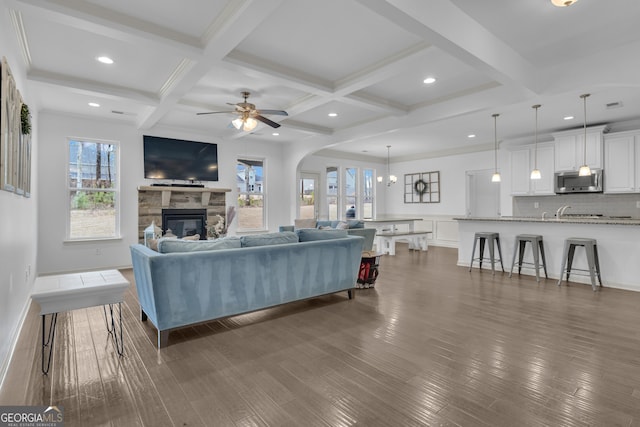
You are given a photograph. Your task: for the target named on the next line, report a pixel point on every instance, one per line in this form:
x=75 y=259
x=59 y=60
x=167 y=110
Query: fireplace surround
x=152 y=200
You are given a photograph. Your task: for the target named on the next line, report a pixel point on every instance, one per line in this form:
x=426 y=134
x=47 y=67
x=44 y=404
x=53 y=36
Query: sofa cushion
x=166 y=246
x=310 y=234
x=355 y=223
x=305 y=223
x=269 y=239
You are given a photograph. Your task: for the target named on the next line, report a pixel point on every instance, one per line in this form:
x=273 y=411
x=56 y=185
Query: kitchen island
x=618 y=245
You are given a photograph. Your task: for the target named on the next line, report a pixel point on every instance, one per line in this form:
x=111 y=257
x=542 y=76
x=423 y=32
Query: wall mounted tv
x=178 y=159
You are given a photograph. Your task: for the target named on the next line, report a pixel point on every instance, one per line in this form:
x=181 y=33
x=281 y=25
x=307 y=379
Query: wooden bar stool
x=492 y=238
x=591 y=249
x=538 y=252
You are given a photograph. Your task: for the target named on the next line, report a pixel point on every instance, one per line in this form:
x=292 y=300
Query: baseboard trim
x=15 y=336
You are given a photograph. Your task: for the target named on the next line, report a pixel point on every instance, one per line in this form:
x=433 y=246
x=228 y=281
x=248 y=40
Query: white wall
x=452 y=180
x=55 y=255
x=18 y=226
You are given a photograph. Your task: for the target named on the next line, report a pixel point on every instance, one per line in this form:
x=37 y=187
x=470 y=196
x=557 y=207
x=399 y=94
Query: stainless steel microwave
x=571 y=182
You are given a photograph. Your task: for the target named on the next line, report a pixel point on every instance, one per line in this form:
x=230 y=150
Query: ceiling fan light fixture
x=563 y=3
x=237 y=123
x=250 y=124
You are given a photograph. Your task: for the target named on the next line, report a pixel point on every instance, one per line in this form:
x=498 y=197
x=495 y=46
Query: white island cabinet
x=618 y=247
x=622 y=162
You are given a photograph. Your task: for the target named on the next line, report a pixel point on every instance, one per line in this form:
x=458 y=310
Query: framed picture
x=15 y=147
x=10 y=130
x=423 y=187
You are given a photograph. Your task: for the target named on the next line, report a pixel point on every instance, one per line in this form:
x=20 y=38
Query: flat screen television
x=178 y=159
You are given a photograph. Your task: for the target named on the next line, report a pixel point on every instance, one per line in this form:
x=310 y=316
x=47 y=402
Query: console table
x=65 y=292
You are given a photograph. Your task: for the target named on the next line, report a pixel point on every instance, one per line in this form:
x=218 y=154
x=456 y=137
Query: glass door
x=308 y=195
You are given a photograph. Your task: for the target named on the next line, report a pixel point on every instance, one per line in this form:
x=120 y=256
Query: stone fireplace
x=152 y=201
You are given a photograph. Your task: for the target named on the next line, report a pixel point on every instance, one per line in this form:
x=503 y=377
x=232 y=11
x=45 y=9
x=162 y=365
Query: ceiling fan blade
x=214 y=112
x=275 y=112
x=267 y=121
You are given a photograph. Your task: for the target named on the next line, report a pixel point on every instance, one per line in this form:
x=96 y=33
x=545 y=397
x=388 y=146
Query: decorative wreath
x=420 y=187
x=25 y=120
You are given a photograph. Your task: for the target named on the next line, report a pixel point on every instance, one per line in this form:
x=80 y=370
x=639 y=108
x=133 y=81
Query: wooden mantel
x=166 y=192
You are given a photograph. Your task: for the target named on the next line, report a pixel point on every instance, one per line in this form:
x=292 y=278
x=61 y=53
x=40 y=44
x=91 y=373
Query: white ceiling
x=362 y=59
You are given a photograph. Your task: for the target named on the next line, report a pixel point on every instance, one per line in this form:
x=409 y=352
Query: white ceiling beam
x=93 y=88
x=99 y=20
x=241 y=18
x=444 y=25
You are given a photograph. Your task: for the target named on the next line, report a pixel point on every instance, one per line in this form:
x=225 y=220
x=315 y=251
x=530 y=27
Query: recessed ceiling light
x=569 y=118
x=472 y=135
x=429 y=80
x=333 y=114
x=94 y=104
x=105 y=59
x=275 y=134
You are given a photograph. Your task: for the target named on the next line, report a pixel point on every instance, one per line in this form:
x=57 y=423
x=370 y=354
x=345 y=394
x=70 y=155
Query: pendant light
x=496 y=174
x=585 y=170
x=535 y=173
x=391 y=179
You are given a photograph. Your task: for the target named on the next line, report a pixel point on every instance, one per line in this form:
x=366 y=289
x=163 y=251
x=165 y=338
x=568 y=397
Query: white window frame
x=115 y=190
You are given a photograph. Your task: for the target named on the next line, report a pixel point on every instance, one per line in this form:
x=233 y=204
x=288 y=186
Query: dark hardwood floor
x=431 y=344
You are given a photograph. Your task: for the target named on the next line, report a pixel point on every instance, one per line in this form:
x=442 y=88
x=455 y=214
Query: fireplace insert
x=185 y=222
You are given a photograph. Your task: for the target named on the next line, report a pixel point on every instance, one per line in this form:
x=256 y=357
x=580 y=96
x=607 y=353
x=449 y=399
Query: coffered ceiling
x=364 y=60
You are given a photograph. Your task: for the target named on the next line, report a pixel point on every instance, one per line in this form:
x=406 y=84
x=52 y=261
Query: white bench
x=386 y=242
x=65 y=292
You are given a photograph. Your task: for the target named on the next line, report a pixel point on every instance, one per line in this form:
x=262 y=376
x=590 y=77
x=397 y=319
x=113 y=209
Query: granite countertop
x=553 y=220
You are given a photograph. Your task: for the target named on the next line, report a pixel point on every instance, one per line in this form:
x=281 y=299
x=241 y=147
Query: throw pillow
x=152 y=244
x=310 y=234
x=166 y=246
x=269 y=239
x=194 y=237
x=342 y=226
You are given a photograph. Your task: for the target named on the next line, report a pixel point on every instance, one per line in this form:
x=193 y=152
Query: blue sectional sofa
x=189 y=282
x=355 y=227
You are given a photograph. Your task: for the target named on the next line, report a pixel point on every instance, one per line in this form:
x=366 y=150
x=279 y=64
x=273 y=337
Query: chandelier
x=391 y=179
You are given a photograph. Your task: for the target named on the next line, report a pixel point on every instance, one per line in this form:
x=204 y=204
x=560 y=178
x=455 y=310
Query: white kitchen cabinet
x=622 y=162
x=522 y=162
x=569 y=148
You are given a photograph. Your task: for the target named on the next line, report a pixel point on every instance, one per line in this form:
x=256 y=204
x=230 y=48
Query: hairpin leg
x=114 y=327
x=47 y=340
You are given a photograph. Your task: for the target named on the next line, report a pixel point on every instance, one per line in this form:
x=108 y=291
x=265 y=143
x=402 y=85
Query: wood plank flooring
x=431 y=344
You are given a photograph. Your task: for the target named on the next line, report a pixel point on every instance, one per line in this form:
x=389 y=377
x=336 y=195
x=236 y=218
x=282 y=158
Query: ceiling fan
x=249 y=115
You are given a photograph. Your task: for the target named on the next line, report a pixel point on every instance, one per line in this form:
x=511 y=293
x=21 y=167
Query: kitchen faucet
x=561 y=210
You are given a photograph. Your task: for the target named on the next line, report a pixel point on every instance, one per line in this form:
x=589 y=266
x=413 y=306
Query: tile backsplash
x=587 y=203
